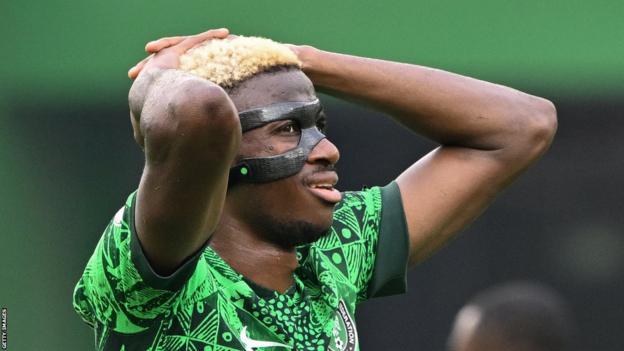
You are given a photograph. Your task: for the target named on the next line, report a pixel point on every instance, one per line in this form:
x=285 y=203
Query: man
x=518 y=316
x=236 y=238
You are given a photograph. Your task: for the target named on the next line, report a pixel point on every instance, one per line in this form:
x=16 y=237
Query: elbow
x=197 y=110
x=206 y=108
x=542 y=126
x=534 y=129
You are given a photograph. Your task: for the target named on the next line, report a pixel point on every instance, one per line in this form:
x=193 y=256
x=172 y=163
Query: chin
x=290 y=234
x=288 y=214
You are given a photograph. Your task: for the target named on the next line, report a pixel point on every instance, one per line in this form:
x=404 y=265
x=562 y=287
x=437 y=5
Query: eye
x=290 y=127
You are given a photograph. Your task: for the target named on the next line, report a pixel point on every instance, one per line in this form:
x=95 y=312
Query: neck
x=262 y=262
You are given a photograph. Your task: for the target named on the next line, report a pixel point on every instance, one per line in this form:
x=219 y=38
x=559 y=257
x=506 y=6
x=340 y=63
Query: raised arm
x=190 y=132
x=489 y=135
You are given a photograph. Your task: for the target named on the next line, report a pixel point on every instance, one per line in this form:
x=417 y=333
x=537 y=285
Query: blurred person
x=517 y=316
x=237 y=239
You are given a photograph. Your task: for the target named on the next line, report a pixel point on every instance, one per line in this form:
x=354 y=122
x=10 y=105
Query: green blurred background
x=68 y=159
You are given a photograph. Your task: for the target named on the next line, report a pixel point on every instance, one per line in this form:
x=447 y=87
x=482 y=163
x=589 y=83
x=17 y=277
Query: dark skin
x=468 y=334
x=489 y=134
x=242 y=229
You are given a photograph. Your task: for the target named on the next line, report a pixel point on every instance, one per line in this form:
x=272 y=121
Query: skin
x=489 y=134
x=243 y=230
x=469 y=334
x=465 y=329
x=489 y=342
x=516 y=317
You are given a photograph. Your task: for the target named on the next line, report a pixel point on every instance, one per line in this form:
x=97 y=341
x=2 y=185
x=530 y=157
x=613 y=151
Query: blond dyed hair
x=228 y=62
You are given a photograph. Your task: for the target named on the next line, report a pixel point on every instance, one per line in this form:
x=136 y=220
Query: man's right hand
x=166 y=52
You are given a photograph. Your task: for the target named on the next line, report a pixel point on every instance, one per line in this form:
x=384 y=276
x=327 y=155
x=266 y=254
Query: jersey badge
x=345 y=336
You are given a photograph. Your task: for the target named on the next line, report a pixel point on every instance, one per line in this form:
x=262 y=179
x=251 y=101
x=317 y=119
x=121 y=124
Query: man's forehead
x=270 y=88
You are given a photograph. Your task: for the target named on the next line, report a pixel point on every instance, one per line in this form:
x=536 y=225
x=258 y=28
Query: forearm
x=191 y=134
x=446 y=107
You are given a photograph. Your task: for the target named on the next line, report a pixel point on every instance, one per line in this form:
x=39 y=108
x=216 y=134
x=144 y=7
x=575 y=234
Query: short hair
x=527 y=315
x=228 y=62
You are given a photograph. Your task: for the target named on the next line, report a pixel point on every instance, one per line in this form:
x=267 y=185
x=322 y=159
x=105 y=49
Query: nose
x=325 y=151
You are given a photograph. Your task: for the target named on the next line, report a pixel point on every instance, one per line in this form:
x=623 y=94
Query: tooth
x=322 y=186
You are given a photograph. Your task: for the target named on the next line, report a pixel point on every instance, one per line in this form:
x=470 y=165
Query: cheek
x=257 y=146
x=261 y=143
x=301 y=205
x=287 y=198
x=287 y=202
x=287 y=194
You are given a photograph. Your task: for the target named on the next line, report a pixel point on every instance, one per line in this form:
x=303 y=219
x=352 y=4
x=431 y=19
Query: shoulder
x=359 y=204
x=356 y=220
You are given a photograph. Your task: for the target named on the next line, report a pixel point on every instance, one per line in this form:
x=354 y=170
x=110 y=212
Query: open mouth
x=322 y=184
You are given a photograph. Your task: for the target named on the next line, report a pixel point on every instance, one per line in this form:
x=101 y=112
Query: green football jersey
x=206 y=305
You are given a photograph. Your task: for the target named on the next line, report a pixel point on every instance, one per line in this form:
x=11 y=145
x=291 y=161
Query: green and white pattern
x=218 y=309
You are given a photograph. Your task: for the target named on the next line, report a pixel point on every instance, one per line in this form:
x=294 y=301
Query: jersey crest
x=344 y=336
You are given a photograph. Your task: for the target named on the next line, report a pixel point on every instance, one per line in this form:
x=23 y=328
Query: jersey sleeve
x=118 y=289
x=368 y=242
x=392 y=253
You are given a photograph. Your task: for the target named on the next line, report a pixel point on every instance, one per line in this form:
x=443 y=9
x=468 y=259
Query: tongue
x=329 y=195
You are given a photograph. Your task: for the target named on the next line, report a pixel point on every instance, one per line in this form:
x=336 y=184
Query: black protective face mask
x=267 y=169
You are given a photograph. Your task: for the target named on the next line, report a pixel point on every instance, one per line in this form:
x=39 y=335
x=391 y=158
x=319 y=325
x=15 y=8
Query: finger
x=191 y=41
x=213 y=33
x=134 y=71
x=162 y=43
x=229 y=37
x=293 y=48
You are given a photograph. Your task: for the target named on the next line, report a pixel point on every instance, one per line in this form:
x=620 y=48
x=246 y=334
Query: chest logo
x=250 y=344
x=344 y=336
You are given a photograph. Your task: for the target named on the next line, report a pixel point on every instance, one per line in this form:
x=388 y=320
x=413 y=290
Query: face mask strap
x=266 y=169
x=303 y=112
